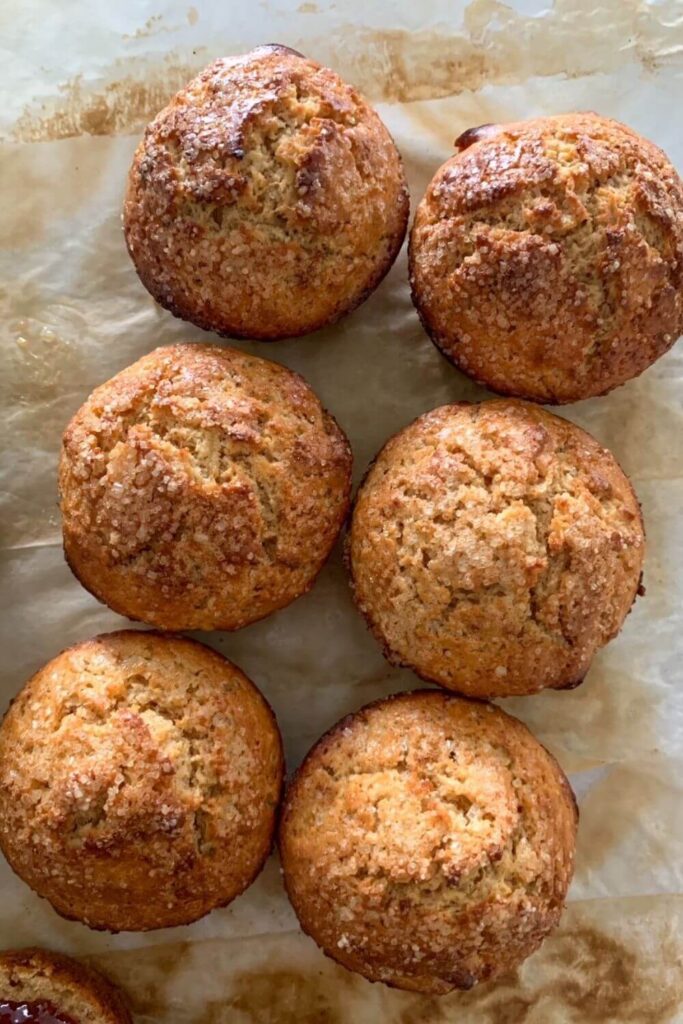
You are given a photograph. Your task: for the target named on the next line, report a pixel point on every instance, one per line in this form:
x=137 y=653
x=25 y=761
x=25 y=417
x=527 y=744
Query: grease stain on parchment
x=151 y=27
x=41 y=363
x=500 y=46
x=155 y=25
x=285 y=996
x=45 y=359
x=496 y=45
x=594 y=976
x=588 y=971
x=40 y=356
x=123 y=105
x=37 y=206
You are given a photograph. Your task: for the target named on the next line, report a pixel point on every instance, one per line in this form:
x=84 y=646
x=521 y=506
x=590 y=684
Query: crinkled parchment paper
x=81 y=80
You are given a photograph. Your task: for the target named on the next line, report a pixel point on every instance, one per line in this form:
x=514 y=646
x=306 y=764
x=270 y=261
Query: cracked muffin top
x=494 y=548
x=139 y=780
x=266 y=200
x=41 y=987
x=546 y=257
x=428 y=842
x=202 y=488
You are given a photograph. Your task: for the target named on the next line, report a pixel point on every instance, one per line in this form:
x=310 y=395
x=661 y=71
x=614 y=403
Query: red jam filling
x=32 y=1013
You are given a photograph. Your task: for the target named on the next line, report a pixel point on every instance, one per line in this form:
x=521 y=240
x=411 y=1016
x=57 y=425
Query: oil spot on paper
x=610 y=962
x=495 y=45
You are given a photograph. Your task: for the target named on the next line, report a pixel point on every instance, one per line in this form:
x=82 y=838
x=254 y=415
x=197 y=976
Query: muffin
x=546 y=258
x=48 y=988
x=428 y=842
x=494 y=548
x=139 y=781
x=202 y=488
x=266 y=200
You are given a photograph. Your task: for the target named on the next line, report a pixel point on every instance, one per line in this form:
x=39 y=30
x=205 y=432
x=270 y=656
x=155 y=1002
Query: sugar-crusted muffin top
x=202 y=488
x=547 y=256
x=495 y=547
x=266 y=199
x=139 y=779
x=428 y=842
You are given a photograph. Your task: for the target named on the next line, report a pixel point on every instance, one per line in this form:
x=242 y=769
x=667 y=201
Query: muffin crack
x=266 y=200
x=154 y=801
x=450 y=874
x=202 y=488
x=546 y=261
x=495 y=549
x=470 y=814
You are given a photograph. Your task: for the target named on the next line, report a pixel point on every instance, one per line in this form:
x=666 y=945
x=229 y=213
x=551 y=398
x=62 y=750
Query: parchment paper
x=81 y=81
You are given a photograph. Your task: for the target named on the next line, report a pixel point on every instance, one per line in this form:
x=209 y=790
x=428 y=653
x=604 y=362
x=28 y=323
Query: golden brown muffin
x=202 y=488
x=494 y=548
x=48 y=988
x=139 y=780
x=428 y=842
x=266 y=200
x=546 y=258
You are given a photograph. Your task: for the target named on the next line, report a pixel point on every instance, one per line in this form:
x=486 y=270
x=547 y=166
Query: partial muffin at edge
x=546 y=258
x=139 y=781
x=428 y=842
x=495 y=548
x=37 y=981
x=267 y=199
x=202 y=488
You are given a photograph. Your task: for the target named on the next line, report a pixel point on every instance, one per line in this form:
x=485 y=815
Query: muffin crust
x=139 y=780
x=494 y=548
x=50 y=981
x=428 y=842
x=546 y=257
x=266 y=200
x=202 y=488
